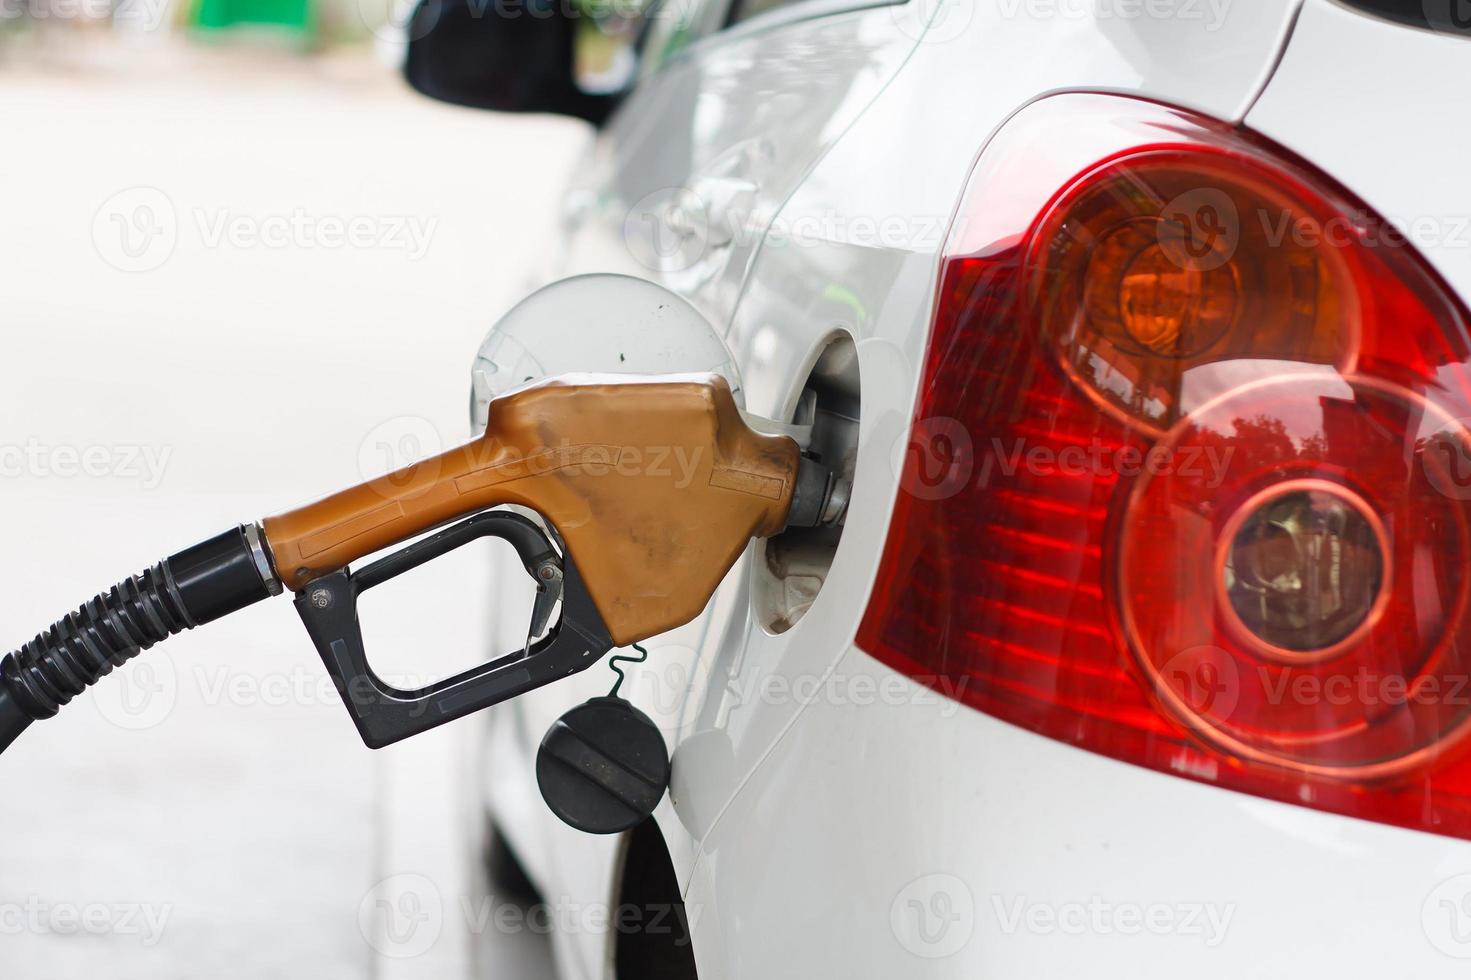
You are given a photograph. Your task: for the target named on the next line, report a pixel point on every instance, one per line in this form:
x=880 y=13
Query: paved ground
x=188 y=341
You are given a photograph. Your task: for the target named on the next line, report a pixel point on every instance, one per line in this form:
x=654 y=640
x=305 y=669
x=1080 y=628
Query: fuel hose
x=196 y=586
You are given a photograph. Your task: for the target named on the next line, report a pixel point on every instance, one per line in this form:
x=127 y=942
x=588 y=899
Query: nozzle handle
x=385 y=714
x=655 y=484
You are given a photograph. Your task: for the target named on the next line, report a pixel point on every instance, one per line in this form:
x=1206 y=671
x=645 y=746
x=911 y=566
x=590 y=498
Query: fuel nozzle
x=651 y=488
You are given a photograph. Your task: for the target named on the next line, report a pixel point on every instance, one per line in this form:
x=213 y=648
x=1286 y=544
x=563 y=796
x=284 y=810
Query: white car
x=1140 y=329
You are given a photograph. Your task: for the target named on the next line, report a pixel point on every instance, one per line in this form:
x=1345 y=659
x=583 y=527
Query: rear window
x=1450 y=16
x=746 y=9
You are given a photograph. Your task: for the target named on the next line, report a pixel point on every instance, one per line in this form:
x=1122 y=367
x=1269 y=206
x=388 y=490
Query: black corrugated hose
x=194 y=587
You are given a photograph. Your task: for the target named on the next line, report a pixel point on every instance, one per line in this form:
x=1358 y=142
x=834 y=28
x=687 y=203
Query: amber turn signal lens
x=1156 y=264
x=1141 y=296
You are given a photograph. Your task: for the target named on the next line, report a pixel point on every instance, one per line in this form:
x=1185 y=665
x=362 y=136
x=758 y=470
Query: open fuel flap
x=603 y=766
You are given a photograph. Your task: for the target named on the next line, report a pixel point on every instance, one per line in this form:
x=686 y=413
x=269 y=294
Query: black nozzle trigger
x=549 y=579
x=385 y=714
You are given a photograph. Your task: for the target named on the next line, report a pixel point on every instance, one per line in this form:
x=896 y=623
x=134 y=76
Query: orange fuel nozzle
x=652 y=488
x=654 y=484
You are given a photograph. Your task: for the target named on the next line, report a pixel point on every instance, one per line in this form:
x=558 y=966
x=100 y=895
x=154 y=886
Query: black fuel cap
x=603 y=767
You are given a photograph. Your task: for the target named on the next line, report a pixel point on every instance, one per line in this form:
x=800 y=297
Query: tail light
x=1187 y=481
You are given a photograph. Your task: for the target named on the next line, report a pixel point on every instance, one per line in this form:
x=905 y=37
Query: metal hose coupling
x=819 y=497
x=194 y=587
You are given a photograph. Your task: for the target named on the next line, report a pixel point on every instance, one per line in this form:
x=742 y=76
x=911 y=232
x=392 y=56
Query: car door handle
x=716 y=209
x=577 y=207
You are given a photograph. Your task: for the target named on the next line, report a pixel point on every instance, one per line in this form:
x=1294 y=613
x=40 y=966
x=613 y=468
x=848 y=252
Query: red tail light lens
x=1186 y=485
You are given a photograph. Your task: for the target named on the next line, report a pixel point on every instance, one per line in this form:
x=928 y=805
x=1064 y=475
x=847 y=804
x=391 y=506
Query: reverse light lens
x=1304 y=568
x=1202 y=504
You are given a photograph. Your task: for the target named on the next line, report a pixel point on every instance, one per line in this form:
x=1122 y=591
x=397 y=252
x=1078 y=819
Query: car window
x=746 y=9
x=606 y=49
x=673 y=25
x=1450 y=16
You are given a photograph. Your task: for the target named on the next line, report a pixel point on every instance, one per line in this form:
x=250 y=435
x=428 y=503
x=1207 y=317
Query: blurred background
x=244 y=266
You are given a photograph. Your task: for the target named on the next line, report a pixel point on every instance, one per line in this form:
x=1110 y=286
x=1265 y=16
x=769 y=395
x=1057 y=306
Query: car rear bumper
x=910 y=836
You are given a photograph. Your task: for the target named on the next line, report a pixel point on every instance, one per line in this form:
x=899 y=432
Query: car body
x=831 y=816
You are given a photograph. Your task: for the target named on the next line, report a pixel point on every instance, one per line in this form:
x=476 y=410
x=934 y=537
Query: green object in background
x=295 y=15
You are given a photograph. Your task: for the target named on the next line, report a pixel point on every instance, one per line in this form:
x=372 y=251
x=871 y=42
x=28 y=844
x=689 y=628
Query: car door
x=737 y=100
x=733 y=108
